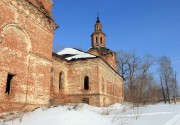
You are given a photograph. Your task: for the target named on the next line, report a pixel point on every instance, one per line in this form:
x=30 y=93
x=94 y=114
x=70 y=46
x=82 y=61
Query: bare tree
x=132 y=64
x=162 y=89
x=136 y=73
x=166 y=73
x=127 y=67
x=144 y=75
x=175 y=88
x=140 y=85
x=122 y=58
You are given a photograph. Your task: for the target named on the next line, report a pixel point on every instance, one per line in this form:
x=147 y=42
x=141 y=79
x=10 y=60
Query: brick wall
x=26 y=38
x=109 y=58
x=105 y=85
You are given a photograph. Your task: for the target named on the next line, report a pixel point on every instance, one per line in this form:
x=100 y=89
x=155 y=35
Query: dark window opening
x=52 y=77
x=8 y=84
x=86 y=83
x=101 y=40
x=85 y=100
x=60 y=80
x=96 y=40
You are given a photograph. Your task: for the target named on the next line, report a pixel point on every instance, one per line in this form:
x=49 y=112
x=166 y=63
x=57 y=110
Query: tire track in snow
x=174 y=120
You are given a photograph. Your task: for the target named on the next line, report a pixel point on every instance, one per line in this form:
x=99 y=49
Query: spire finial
x=98 y=21
x=97 y=14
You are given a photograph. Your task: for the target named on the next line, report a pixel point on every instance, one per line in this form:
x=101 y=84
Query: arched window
x=102 y=84
x=52 y=77
x=60 y=80
x=101 y=40
x=86 y=82
x=97 y=27
x=96 y=40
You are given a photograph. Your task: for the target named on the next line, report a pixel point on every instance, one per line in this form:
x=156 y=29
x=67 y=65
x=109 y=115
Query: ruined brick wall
x=111 y=85
x=47 y=4
x=105 y=85
x=72 y=81
x=26 y=36
x=59 y=92
x=77 y=72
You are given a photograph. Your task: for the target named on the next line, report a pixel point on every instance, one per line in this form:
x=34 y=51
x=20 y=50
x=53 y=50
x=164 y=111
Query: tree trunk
x=164 y=96
x=167 y=89
x=174 y=97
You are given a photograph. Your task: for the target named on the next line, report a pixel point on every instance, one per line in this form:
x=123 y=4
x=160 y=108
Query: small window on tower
x=101 y=40
x=96 y=40
x=97 y=27
x=8 y=84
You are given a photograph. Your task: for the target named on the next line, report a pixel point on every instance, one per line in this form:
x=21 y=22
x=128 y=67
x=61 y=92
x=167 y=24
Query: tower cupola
x=98 y=38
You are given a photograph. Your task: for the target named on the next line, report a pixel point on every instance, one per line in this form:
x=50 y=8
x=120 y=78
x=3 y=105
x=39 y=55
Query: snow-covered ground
x=117 y=114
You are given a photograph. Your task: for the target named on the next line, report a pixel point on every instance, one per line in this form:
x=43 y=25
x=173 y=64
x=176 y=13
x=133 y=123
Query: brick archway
x=14 y=49
x=22 y=30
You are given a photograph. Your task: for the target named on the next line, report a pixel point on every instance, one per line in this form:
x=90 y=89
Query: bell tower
x=98 y=38
x=98 y=46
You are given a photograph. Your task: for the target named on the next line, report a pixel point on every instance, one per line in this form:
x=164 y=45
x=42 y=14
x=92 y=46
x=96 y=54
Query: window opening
x=8 y=84
x=96 y=40
x=60 y=80
x=86 y=83
x=52 y=77
x=85 y=100
x=101 y=40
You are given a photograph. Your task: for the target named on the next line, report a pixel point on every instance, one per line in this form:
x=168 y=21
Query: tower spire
x=98 y=38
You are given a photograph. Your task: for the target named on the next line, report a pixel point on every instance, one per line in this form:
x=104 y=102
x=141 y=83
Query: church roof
x=74 y=54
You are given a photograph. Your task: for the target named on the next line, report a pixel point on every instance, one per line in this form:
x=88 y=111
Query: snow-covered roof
x=73 y=54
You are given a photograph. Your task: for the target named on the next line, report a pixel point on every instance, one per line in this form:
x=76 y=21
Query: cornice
x=35 y=14
x=50 y=1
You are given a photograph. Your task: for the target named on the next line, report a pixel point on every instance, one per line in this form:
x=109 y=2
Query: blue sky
x=147 y=26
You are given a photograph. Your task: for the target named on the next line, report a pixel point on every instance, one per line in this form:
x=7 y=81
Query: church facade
x=32 y=76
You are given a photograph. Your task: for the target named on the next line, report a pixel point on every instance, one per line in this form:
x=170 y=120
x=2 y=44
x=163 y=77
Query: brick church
x=31 y=75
